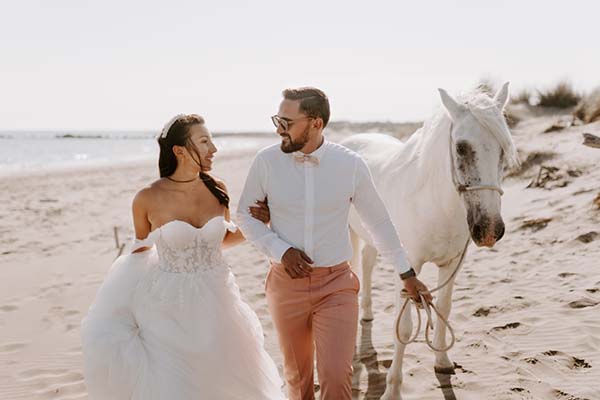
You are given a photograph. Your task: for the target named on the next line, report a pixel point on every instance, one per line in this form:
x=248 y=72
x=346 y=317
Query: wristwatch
x=408 y=274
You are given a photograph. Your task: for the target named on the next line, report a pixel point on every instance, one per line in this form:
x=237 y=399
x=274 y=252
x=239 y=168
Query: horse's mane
x=433 y=139
x=486 y=112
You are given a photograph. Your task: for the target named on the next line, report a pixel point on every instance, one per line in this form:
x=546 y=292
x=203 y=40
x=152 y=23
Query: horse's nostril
x=499 y=230
x=477 y=232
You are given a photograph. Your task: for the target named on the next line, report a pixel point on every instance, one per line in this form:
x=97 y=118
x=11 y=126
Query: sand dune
x=525 y=313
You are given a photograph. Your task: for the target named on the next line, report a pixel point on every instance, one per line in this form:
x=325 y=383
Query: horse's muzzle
x=486 y=232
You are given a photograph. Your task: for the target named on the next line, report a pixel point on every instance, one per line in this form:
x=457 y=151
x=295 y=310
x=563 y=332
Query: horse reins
x=429 y=306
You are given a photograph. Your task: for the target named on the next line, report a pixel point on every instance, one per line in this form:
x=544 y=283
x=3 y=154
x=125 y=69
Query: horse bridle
x=463 y=187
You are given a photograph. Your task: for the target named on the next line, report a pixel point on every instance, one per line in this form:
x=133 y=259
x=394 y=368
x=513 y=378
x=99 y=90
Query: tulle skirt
x=152 y=334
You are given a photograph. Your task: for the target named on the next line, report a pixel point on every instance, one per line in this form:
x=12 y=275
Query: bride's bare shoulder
x=145 y=195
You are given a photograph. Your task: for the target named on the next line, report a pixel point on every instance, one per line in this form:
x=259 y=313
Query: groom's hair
x=313 y=102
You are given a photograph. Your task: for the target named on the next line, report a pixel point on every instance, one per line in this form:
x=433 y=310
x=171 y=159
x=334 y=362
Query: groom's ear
x=318 y=123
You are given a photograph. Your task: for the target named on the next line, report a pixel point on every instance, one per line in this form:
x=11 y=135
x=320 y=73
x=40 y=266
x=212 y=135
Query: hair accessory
x=165 y=130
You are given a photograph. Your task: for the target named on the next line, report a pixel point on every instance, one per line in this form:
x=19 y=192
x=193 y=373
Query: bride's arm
x=140 y=217
x=232 y=238
x=260 y=212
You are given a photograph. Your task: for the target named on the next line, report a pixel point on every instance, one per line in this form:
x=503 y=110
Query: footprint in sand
x=484 y=311
x=477 y=345
x=460 y=368
x=8 y=308
x=519 y=253
x=566 y=274
x=519 y=390
x=567 y=360
x=57 y=315
x=583 y=303
x=510 y=306
x=588 y=237
x=11 y=347
x=47 y=292
x=560 y=395
x=531 y=360
x=511 y=325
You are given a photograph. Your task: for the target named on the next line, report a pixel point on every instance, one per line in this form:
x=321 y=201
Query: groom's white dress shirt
x=309 y=201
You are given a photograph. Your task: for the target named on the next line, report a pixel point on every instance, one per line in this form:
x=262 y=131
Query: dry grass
x=487 y=86
x=560 y=96
x=511 y=118
x=532 y=159
x=588 y=109
x=490 y=87
x=535 y=224
x=523 y=97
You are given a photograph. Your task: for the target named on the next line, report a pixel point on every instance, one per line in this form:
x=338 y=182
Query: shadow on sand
x=366 y=360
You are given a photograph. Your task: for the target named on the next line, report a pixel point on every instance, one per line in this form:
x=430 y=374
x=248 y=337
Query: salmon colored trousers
x=317 y=312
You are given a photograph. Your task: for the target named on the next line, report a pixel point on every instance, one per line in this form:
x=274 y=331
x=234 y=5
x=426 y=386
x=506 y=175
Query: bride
x=168 y=321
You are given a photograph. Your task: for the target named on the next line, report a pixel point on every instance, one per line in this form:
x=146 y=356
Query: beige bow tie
x=302 y=158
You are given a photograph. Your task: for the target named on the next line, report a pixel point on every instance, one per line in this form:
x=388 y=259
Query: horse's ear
x=453 y=107
x=501 y=98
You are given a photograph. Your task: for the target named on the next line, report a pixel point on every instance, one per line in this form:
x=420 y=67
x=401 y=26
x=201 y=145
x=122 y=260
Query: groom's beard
x=290 y=146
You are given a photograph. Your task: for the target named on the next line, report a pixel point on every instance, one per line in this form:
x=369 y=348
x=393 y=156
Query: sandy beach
x=526 y=313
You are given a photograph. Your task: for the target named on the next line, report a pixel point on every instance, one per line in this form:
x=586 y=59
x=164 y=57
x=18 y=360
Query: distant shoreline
x=333 y=127
x=112 y=135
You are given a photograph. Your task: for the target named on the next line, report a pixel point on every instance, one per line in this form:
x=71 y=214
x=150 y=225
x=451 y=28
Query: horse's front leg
x=369 y=256
x=443 y=365
x=394 y=375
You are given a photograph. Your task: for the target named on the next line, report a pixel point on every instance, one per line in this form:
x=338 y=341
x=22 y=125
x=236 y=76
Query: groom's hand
x=414 y=286
x=296 y=263
x=261 y=211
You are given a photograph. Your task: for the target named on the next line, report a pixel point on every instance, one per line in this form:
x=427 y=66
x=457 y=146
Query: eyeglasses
x=285 y=123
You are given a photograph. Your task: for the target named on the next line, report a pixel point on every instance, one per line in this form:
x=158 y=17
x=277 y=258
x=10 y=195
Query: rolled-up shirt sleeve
x=259 y=234
x=374 y=215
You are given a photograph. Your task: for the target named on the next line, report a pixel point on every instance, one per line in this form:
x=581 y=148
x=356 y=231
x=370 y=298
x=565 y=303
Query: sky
x=132 y=65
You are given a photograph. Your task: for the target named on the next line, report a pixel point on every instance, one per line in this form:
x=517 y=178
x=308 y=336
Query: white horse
x=441 y=188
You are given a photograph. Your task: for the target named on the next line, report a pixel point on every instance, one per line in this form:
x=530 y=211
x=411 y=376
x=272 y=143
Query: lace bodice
x=183 y=248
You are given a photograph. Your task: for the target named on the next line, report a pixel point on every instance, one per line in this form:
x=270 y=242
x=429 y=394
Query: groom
x=312 y=294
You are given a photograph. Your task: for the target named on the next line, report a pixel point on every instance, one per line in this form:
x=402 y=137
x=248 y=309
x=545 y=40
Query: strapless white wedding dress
x=169 y=324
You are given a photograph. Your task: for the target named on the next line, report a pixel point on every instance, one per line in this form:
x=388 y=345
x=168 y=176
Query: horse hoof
x=444 y=370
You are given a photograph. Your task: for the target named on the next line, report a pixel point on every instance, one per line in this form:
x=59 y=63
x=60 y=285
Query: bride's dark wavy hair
x=179 y=135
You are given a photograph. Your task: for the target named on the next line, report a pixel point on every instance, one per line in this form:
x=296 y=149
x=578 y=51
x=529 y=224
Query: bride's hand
x=261 y=211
